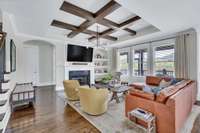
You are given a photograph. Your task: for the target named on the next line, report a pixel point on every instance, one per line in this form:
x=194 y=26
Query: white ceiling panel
x=120 y=33
x=120 y=15
x=90 y=5
x=94 y=27
x=82 y=36
x=69 y=18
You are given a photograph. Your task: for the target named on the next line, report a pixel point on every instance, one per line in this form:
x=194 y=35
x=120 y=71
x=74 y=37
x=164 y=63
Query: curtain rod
x=148 y=42
x=173 y=37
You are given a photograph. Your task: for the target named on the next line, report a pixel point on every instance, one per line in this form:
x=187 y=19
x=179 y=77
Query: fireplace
x=82 y=76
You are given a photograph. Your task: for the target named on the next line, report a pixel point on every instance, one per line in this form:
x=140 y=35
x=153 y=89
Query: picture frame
x=12 y=56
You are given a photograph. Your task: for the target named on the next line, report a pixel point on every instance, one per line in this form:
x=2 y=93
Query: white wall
x=45 y=62
x=198 y=61
x=19 y=39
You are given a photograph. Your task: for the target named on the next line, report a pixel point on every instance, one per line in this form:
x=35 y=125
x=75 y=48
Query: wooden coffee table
x=116 y=90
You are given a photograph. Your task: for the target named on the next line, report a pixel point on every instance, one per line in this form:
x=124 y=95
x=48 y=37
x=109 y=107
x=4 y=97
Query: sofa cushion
x=137 y=85
x=170 y=90
x=143 y=94
x=152 y=80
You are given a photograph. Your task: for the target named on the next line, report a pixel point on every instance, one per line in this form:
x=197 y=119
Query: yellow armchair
x=71 y=88
x=93 y=101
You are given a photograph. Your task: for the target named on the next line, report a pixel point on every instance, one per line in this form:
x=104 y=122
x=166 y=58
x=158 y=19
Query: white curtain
x=115 y=60
x=186 y=55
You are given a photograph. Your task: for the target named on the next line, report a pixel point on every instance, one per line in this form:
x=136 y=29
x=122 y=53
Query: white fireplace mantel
x=90 y=68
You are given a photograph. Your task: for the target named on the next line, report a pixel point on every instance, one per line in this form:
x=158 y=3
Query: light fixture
x=97 y=37
x=98 y=43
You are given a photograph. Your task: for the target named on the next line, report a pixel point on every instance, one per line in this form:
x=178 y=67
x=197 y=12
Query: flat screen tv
x=12 y=56
x=79 y=53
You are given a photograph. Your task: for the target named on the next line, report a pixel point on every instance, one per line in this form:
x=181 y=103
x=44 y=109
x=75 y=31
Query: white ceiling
x=167 y=15
x=120 y=15
x=34 y=16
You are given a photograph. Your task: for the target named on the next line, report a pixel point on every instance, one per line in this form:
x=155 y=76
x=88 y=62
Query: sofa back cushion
x=169 y=91
x=153 y=80
x=143 y=94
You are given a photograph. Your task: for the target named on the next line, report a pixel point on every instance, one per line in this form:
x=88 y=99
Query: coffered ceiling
x=113 y=20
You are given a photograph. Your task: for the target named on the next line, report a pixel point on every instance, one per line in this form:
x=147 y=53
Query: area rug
x=114 y=120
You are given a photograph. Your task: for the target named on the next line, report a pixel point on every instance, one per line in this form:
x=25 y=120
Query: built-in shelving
x=101 y=63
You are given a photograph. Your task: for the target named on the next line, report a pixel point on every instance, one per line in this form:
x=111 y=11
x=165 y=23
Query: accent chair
x=93 y=101
x=71 y=88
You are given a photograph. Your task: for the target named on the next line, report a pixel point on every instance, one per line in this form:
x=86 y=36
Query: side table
x=145 y=116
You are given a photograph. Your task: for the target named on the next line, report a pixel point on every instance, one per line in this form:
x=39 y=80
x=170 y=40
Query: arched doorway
x=39 y=62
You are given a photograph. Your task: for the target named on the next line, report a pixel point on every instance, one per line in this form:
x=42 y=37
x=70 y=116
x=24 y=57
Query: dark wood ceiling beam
x=92 y=18
x=81 y=28
x=63 y=25
x=109 y=23
x=107 y=32
x=129 y=21
x=107 y=9
x=77 y=11
x=103 y=34
x=111 y=38
x=67 y=26
x=130 y=31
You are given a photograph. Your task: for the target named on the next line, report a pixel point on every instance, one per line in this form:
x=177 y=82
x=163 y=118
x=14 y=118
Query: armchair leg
x=66 y=104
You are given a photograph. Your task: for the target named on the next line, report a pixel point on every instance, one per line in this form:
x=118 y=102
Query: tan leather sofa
x=171 y=106
x=71 y=88
x=93 y=101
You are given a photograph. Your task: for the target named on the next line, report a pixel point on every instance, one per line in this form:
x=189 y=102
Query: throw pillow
x=164 y=83
x=174 y=81
x=156 y=90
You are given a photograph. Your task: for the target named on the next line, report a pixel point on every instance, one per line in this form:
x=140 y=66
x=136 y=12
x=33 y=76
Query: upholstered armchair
x=71 y=88
x=93 y=101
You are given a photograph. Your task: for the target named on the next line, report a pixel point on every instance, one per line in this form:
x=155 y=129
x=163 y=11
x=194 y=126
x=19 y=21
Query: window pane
x=164 y=60
x=124 y=63
x=140 y=63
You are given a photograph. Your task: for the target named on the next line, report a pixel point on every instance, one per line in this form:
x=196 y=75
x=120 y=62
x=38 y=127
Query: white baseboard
x=45 y=84
x=59 y=88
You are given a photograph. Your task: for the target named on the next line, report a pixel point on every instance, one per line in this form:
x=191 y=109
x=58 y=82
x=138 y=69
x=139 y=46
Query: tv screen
x=79 y=53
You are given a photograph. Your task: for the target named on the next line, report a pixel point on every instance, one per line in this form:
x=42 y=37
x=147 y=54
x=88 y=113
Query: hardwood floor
x=49 y=116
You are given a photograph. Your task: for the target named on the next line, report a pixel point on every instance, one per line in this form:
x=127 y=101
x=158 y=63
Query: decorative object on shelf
x=98 y=56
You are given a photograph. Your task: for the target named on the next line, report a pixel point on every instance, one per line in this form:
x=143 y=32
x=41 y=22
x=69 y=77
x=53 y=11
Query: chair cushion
x=152 y=80
x=143 y=94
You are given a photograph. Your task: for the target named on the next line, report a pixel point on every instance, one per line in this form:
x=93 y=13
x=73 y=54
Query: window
x=124 y=63
x=164 y=60
x=140 y=66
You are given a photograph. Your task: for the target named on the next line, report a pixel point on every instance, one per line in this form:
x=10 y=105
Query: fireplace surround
x=83 y=76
